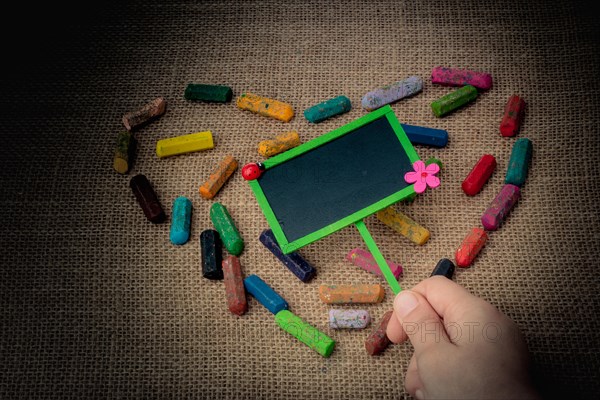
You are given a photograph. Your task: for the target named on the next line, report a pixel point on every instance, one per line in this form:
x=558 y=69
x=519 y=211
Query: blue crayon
x=181 y=220
x=518 y=165
x=328 y=109
x=293 y=261
x=426 y=136
x=264 y=294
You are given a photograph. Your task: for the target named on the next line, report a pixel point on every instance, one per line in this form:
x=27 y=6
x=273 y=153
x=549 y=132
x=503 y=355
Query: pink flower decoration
x=423 y=176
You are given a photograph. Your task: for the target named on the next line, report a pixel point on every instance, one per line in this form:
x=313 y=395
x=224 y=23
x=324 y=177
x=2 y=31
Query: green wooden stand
x=385 y=269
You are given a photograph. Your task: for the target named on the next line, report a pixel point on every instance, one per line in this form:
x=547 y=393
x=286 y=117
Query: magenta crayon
x=365 y=260
x=500 y=207
x=461 y=77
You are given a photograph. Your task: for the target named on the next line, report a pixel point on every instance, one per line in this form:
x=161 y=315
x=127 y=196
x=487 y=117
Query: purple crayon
x=393 y=92
x=365 y=260
x=293 y=261
x=461 y=77
x=500 y=207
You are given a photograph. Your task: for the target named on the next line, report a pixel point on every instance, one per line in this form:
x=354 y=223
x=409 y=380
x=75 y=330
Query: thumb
x=419 y=321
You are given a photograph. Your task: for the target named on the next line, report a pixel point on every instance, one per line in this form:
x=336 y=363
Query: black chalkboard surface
x=336 y=179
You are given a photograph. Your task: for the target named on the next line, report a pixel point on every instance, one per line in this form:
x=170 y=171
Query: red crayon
x=513 y=116
x=479 y=175
x=470 y=247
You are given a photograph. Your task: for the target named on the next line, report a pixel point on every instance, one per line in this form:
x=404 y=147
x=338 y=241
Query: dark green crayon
x=227 y=230
x=454 y=100
x=211 y=93
x=518 y=165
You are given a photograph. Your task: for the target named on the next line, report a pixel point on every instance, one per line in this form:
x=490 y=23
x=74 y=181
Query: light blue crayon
x=391 y=93
x=518 y=165
x=426 y=136
x=328 y=109
x=264 y=294
x=181 y=220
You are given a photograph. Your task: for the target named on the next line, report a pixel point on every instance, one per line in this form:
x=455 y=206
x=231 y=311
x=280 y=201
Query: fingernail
x=405 y=302
x=419 y=394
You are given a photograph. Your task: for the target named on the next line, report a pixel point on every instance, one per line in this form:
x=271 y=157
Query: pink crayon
x=363 y=259
x=500 y=207
x=461 y=77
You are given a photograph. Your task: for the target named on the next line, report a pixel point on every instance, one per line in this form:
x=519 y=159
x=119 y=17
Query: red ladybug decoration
x=252 y=171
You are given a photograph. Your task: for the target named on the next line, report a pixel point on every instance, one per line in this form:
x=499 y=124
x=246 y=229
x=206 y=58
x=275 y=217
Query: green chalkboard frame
x=288 y=247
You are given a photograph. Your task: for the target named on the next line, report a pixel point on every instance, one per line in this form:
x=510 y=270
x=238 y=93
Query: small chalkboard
x=335 y=180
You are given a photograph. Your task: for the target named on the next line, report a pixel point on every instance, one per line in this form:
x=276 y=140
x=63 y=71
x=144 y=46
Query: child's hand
x=464 y=346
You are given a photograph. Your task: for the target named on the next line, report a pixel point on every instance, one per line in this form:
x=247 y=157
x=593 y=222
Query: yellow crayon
x=281 y=143
x=403 y=225
x=266 y=107
x=184 y=144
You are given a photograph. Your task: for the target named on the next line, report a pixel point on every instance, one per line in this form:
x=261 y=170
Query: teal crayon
x=518 y=165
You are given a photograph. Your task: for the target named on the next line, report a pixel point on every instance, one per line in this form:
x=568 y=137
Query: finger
x=419 y=321
x=449 y=300
x=394 y=330
x=412 y=379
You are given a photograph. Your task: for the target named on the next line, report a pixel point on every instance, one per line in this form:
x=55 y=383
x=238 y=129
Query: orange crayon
x=218 y=178
x=265 y=107
x=345 y=294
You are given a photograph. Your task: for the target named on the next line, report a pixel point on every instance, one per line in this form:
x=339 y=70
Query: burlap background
x=96 y=302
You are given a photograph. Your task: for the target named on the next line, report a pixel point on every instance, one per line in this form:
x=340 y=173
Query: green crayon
x=307 y=334
x=227 y=230
x=454 y=100
x=212 y=93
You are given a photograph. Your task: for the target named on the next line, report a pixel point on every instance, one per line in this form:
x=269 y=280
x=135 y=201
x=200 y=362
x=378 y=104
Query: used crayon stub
x=454 y=100
x=307 y=334
x=479 y=175
x=328 y=109
x=293 y=261
x=234 y=286
x=227 y=230
x=281 y=143
x=351 y=294
x=391 y=93
x=210 y=254
x=470 y=247
x=425 y=136
x=147 y=199
x=500 y=207
x=265 y=107
x=349 y=319
x=460 y=77
x=219 y=176
x=365 y=260
x=513 y=116
x=403 y=225
x=150 y=111
x=264 y=294
x=378 y=340
x=518 y=165
x=210 y=93
x=122 y=152
x=181 y=220
x=445 y=268
x=184 y=144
